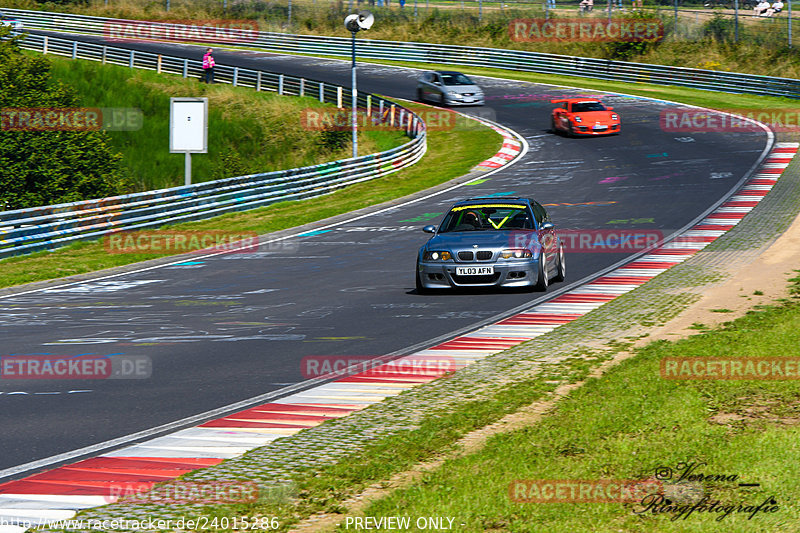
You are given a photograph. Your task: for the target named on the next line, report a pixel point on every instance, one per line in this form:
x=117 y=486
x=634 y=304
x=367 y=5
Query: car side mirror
x=547 y=225
x=429 y=229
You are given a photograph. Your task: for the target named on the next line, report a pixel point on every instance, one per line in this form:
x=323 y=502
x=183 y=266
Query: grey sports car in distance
x=446 y=87
x=492 y=242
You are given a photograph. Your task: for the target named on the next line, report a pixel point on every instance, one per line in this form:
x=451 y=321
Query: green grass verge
x=249 y=132
x=629 y=423
x=450 y=154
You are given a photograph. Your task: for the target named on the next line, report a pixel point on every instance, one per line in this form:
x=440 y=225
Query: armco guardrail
x=39 y=228
x=464 y=55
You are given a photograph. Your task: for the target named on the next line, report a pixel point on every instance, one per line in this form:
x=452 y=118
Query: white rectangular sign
x=188 y=125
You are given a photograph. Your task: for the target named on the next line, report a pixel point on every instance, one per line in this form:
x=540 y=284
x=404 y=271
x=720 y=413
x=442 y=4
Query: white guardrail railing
x=520 y=60
x=39 y=228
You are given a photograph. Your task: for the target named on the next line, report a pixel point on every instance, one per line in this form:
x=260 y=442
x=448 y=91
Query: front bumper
x=450 y=101
x=588 y=130
x=506 y=274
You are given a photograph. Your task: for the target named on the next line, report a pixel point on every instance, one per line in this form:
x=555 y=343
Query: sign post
x=188 y=129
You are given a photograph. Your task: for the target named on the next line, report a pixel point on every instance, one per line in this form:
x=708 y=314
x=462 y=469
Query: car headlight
x=437 y=256
x=614 y=116
x=516 y=254
x=577 y=119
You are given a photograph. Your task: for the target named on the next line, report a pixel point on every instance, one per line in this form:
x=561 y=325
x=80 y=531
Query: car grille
x=468 y=94
x=484 y=255
x=465 y=256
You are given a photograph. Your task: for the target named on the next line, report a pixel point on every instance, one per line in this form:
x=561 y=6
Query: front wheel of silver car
x=561 y=266
x=542 y=281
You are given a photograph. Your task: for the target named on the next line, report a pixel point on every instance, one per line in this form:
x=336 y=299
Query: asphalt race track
x=229 y=327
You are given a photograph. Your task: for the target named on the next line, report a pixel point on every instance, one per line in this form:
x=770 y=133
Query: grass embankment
x=700 y=39
x=248 y=132
x=451 y=153
x=626 y=426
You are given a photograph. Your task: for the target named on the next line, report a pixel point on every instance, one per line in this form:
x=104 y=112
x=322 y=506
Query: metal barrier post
x=185 y=68
x=675 y=6
x=369 y=105
x=280 y=84
x=44 y=46
x=339 y=97
x=235 y=76
x=391 y=115
x=74 y=49
x=158 y=64
x=322 y=92
x=258 y=81
x=131 y=59
x=789 y=5
x=380 y=109
x=105 y=53
x=302 y=86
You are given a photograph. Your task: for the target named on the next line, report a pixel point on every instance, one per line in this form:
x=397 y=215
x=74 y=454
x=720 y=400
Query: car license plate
x=600 y=128
x=474 y=271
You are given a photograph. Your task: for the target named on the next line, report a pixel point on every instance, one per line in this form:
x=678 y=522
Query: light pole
x=355 y=23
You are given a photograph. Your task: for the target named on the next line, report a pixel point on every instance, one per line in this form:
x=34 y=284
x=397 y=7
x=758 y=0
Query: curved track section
x=228 y=328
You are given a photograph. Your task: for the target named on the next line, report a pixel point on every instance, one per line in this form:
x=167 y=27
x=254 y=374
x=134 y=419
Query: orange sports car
x=582 y=116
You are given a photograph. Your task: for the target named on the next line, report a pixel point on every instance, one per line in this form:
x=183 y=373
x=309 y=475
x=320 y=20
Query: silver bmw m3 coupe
x=492 y=242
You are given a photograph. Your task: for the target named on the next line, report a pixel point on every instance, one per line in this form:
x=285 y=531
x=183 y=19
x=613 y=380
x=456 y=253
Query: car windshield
x=487 y=217
x=455 y=78
x=582 y=107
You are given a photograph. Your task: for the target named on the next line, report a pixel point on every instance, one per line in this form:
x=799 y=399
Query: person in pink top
x=208 y=66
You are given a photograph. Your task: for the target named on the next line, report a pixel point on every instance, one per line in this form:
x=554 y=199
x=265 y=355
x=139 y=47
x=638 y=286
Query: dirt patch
x=760 y=282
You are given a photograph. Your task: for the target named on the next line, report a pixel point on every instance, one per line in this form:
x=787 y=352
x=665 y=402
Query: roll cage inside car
x=495 y=214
